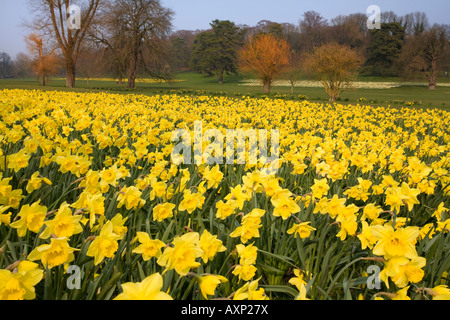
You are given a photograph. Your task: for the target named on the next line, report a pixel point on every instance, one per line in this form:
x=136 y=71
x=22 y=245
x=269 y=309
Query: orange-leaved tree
x=334 y=65
x=44 y=62
x=265 y=56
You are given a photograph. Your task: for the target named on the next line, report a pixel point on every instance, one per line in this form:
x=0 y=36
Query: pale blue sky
x=197 y=14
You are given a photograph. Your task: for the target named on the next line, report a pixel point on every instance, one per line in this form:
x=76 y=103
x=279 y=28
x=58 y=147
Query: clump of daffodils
x=93 y=181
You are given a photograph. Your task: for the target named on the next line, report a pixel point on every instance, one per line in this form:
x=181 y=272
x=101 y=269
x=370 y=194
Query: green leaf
x=282 y=289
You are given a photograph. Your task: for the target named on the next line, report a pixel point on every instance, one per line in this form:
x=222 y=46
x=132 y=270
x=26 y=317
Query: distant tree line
x=127 y=39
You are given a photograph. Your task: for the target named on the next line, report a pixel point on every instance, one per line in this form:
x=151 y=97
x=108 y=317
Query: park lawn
x=196 y=83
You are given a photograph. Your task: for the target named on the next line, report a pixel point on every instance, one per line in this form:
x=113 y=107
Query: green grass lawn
x=195 y=83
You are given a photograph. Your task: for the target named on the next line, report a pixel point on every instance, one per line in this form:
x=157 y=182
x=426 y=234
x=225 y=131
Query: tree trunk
x=332 y=89
x=432 y=82
x=333 y=96
x=70 y=75
x=43 y=80
x=220 y=74
x=132 y=70
x=120 y=79
x=432 y=76
x=131 y=80
x=267 y=86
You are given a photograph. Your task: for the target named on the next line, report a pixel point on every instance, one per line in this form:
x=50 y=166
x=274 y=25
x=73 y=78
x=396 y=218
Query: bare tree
x=5 y=65
x=347 y=30
x=389 y=17
x=291 y=33
x=21 y=66
x=313 y=30
x=415 y=23
x=44 y=62
x=425 y=51
x=294 y=69
x=266 y=56
x=130 y=29
x=357 y=19
x=90 y=63
x=52 y=17
x=334 y=65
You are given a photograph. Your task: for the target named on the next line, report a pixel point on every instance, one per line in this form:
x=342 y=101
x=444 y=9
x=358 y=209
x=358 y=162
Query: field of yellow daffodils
x=93 y=207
